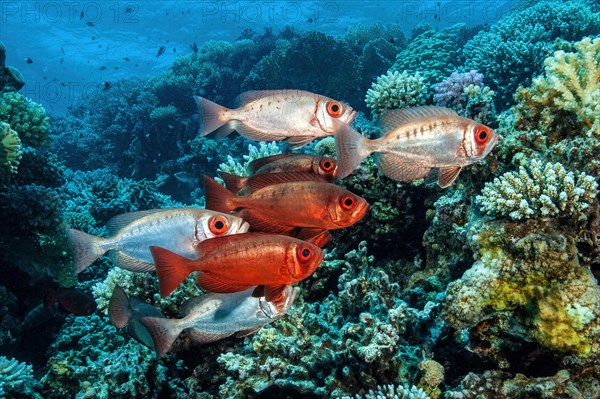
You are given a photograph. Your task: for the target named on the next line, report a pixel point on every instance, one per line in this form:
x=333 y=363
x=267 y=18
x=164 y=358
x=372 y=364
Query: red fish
x=235 y=263
x=70 y=300
x=278 y=203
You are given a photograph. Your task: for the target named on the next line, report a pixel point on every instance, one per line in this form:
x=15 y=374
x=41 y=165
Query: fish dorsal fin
x=213 y=283
x=233 y=183
x=260 y=162
x=400 y=169
x=257 y=182
x=448 y=174
x=319 y=237
x=117 y=222
x=397 y=117
x=253 y=95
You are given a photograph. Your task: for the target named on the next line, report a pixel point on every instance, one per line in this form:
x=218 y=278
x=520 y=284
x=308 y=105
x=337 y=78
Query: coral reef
x=91 y=360
x=513 y=50
x=16 y=378
x=10 y=78
x=393 y=392
x=533 y=267
x=27 y=118
x=396 y=90
x=540 y=191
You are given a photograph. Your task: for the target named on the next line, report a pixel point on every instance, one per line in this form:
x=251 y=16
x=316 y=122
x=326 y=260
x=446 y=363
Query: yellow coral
x=10 y=145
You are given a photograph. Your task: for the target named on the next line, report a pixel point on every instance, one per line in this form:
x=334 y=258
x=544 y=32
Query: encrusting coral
x=540 y=191
x=532 y=267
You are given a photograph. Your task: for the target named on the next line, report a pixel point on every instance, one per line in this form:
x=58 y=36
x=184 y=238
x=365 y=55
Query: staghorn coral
x=16 y=378
x=241 y=169
x=396 y=90
x=540 y=191
x=10 y=149
x=530 y=272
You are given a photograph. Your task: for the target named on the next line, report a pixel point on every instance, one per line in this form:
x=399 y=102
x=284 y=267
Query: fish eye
x=347 y=202
x=218 y=225
x=334 y=109
x=304 y=253
x=481 y=135
x=327 y=165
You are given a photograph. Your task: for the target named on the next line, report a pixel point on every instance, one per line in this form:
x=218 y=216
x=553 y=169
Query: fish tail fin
x=352 y=148
x=218 y=198
x=233 y=183
x=86 y=248
x=163 y=332
x=171 y=269
x=211 y=117
x=119 y=308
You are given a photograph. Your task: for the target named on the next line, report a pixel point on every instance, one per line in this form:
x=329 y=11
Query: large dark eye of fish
x=347 y=202
x=304 y=253
x=482 y=135
x=327 y=165
x=334 y=109
x=218 y=225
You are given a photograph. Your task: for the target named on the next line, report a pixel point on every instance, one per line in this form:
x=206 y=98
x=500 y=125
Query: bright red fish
x=235 y=263
x=278 y=203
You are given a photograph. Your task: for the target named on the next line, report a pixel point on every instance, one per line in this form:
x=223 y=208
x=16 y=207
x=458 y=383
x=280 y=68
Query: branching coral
x=16 y=378
x=394 y=392
x=396 y=90
x=10 y=149
x=241 y=169
x=540 y=191
x=568 y=94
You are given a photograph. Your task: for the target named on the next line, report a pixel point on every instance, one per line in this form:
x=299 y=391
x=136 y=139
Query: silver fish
x=295 y=116
x=416 y=141
x=212 y=317
x=176 y=229
x=125 y=312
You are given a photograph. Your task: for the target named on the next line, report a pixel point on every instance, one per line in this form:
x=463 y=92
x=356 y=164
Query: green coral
x=531 y=271
x=27 y=118
x=396 y=90
x=540 y=191
x=10 y=149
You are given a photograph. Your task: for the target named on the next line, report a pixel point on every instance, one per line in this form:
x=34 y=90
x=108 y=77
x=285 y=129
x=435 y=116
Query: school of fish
x=262 y=233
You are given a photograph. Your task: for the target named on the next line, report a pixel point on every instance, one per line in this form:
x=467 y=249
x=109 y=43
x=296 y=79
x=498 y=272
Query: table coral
x=10 y=149
x=540 y=191
x=532 y=267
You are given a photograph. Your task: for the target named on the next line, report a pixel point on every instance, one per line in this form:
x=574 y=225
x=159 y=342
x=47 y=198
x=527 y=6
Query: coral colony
x=485 y=287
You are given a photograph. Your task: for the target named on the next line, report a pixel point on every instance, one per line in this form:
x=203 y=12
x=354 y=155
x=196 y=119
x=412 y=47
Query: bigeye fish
x=125 y=312
x=323 y=167
x=416 y=141
x=212 y=317
x=279 y=203
x=295 y=116
x=132 y=233
x=234 y=263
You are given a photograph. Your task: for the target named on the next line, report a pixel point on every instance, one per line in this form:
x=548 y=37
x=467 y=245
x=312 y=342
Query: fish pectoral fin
x=130 y=263
x=274 y=293
x=245 y=333
x=448 y=174
x=213 y=283
x=296 y=142
x=258 y=291
x=400 y=169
